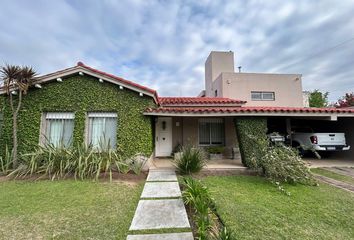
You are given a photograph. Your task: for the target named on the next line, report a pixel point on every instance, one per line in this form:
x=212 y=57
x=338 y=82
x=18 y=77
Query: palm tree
x=16 y=80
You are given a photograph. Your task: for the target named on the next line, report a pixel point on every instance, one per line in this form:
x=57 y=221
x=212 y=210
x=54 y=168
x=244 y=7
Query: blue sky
x=164 y=44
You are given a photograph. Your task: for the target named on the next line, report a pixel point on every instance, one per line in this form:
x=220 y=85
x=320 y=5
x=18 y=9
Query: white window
x=211 y=131
x=59 y=128
x=102 y=130
x=263 y=96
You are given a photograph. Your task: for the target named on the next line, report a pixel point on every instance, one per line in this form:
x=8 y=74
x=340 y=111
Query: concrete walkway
x=160 y=207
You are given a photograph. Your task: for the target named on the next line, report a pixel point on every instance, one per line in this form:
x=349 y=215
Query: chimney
x=217 y=63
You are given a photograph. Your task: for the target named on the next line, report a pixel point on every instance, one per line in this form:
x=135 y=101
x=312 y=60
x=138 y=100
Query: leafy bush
x=191 y=160
x=197 y=197
x=81 y=162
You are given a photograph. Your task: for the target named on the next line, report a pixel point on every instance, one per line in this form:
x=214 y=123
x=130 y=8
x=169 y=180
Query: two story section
x=257 y=89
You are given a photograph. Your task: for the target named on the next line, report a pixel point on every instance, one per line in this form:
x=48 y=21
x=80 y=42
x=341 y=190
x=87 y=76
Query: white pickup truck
x=319 y=141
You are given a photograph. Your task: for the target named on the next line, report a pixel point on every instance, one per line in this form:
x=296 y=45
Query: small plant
x=194 y=189
x=177 y=148
x=136 y=163
x=208 y=225
x=6 y=161
x=215 y=150
x=81 y=162
x=191 y=160
x=223 y=234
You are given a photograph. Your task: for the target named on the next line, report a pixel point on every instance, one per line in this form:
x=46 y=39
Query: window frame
x=210 y=139
x=262 y=93
x=88 y=128
x=46 y=117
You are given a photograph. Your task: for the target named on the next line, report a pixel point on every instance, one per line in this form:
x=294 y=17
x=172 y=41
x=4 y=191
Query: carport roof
x=249 y=111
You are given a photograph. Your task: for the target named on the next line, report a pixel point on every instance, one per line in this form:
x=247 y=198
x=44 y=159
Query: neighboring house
x=82 y=104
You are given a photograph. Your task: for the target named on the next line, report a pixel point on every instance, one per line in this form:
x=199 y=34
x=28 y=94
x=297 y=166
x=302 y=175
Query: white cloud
x=163 y=44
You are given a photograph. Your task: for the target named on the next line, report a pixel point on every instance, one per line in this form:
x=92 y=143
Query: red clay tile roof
x=119 y=79
x=246 y=110
x=197 y=100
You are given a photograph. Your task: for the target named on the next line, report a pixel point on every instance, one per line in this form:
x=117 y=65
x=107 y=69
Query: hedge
x=248 y=130
x=81 y=94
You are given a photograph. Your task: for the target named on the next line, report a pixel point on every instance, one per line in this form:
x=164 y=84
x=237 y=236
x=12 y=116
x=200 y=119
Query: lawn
x=66 y=209
x=333 y=175
x=254 y=209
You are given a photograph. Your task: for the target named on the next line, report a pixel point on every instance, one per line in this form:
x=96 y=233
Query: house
x=82 y=104
x=208 y=120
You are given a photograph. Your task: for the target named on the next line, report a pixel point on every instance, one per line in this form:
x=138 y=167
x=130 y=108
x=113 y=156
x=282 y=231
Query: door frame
x=158 y=152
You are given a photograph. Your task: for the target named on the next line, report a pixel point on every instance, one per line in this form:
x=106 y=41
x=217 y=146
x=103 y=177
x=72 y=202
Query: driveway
x=329 y=162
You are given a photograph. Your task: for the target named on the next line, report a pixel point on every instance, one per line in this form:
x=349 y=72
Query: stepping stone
x=158 y=214
x=161 y=190
x=165 y=236
x=161 y=175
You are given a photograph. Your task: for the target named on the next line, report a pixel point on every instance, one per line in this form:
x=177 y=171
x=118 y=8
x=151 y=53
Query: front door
x=163 y=140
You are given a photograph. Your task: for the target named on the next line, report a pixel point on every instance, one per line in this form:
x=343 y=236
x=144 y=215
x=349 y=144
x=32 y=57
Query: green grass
x=254 y=209
x=333 y=175
x=66 y=209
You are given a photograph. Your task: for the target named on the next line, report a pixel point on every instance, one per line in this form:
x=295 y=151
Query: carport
x=319 y=124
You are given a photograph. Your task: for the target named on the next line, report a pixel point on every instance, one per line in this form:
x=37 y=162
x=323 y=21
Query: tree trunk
x=14 y=140
x=14 y=128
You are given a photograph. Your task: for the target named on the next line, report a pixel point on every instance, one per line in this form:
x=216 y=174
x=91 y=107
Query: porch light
x=59 y=80
x=100 y=80
x=81 y=73
x=14 y=92
x=121 y=87
x=38 y=86
x=141 y=94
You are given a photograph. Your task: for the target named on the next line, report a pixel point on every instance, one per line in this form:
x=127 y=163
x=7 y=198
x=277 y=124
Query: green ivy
x=81 y=94
x=249 y=130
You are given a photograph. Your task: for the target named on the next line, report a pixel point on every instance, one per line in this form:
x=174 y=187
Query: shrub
x=215 y=150
x=82 y=162
x=197 y=197
x=6 y=161
x=191 y=160
x=194 y=189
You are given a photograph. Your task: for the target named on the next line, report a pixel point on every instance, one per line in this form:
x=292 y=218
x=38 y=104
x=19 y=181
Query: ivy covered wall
x=249 y=130
x=81 y=94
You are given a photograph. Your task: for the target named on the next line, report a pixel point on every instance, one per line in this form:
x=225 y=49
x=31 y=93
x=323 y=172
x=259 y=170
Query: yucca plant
x=191 y=160
x=6 y=161
x=194 y=189
x=136 y=163
x=222 y=234
x=82 y=161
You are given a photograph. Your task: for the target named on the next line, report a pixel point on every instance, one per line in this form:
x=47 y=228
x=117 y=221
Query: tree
x=346 y=101
x=318 y=99
x=16 y=81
